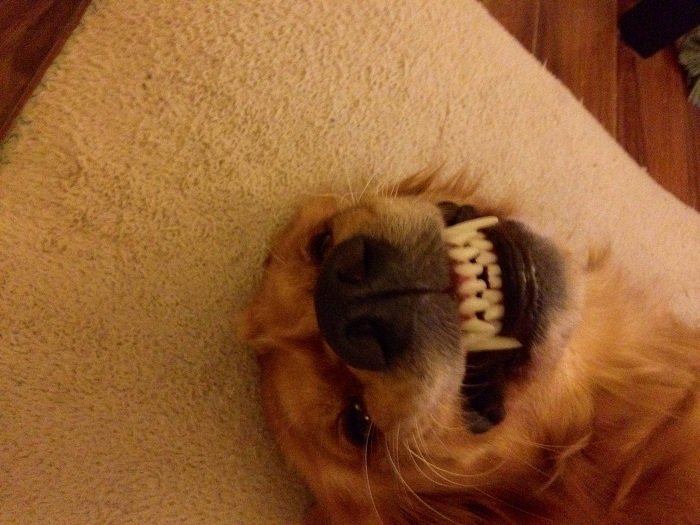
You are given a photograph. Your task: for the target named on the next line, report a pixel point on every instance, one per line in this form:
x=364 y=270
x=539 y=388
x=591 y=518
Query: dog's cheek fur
x=283 y=309
x=303 y=391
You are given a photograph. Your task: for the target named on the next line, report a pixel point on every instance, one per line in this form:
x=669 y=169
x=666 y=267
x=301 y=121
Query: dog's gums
x=428 y=359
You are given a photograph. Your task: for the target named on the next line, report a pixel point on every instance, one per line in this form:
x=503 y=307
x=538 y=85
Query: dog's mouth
x=495 y=283
x=507 y=281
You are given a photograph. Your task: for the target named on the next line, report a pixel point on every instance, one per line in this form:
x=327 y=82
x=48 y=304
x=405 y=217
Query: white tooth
x=493 y=296
x=463 y=254
x=469 y=270
x=472 y=286
x=475 y=224
x=477 y=325
x=493 y=270
x=482 y=244
x=469 y=340
x=495 y=282
x=458 y=238
x=494 y=313
x=497 y=325
x=486 y=258
x=473 y=305
x=484 y=344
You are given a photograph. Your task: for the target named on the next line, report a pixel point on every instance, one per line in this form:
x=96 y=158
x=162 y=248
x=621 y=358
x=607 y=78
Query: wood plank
x=32 y=32
x=656 y=121
x=578 y=43
x=519 y=17
x=657 y=124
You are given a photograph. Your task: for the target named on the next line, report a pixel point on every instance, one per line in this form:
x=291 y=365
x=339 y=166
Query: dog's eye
x=355 y=424
x=319 y=245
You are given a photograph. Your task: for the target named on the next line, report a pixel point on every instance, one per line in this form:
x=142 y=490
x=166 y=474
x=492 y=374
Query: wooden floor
x=32 y=32
x=640 y=102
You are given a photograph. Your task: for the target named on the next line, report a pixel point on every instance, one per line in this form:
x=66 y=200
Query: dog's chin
x=521 y=276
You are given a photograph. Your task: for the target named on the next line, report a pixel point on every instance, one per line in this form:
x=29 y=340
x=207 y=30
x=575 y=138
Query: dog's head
x=412 y=350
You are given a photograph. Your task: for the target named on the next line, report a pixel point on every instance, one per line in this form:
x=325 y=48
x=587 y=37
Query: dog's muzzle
x=376 y=300
x=479 y=286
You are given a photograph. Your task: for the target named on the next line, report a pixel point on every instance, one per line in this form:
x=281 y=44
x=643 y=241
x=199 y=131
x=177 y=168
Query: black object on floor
x=654 y=24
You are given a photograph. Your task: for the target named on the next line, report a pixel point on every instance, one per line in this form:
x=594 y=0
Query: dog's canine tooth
x=472 y=286
x=475 y=325
x=494 y=313
x=479 y=343
x=469 y=269
x=475 y=224
x=473 y=305
x=463 y=254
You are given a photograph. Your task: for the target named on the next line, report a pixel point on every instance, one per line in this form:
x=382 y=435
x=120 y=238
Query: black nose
x=367 y=299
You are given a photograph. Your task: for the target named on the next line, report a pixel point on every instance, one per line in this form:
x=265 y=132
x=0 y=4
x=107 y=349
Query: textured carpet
x=137 y=194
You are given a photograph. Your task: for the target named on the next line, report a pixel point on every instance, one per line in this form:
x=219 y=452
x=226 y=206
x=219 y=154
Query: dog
x=427 y=358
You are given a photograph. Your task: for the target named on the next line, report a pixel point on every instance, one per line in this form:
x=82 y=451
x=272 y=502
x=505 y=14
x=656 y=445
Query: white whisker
x=369 y=181
x=365 y=467
x=353 y=200
x=410 y=491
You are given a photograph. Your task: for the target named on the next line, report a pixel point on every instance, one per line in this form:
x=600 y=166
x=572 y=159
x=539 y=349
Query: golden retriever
x=428 y=359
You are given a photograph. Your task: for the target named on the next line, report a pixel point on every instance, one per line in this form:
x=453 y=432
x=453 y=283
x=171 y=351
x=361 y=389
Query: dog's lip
x=519 y=284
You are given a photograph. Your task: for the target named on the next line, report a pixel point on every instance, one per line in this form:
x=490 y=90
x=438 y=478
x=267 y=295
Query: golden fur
x=604 y=430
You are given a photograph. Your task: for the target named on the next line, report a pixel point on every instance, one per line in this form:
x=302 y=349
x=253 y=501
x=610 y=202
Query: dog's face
x=414 y=348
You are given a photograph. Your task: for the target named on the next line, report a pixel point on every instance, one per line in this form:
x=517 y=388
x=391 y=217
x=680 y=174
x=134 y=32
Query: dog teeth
x=469 y=269
x=463 y=232
x=481 y=300
x=464 y=254
x=475 y=325
x=486 y=258
x=482 y=244
x=458 y=238
x=475 y=343
x=493 y=296
x=472 y=287
x=495 y=282
x=473 y=305
x=494 y=313
x=493 y=270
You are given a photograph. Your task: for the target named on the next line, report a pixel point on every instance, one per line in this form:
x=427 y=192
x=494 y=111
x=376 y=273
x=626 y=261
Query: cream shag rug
x=136 y=197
